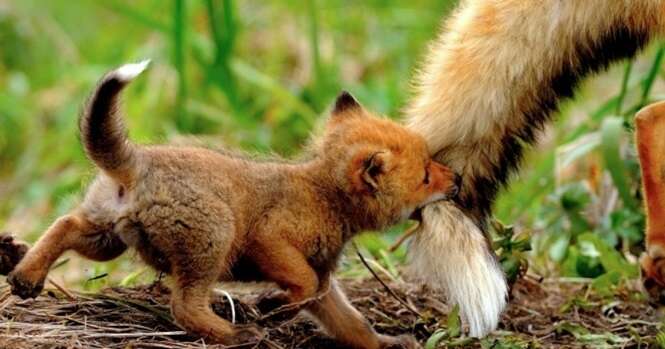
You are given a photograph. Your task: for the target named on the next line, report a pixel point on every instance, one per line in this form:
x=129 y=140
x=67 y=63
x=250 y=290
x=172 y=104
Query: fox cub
x=203 y=216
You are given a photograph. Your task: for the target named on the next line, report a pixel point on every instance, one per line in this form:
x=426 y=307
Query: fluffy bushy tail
x=102 y=129
x=490 y=83
x=450 y=252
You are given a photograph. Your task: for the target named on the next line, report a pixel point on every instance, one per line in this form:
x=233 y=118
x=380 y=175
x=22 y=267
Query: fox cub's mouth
x=450 y=194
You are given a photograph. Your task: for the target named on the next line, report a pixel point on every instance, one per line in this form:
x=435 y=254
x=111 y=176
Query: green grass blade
x=223 y=30
x=624 y=86
x=230 y=24
x=314 y=43
x=611 y=132
x=651 y=76
x=434 y=340
x=178 y=37
x=131 y=279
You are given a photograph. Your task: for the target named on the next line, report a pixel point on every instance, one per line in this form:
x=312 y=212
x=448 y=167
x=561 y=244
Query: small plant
x=511 y=249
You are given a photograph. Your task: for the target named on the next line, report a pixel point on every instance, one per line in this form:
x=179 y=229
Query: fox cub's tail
x=102 y=129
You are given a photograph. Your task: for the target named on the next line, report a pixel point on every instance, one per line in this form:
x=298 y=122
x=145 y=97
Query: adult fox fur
x=203 y=216
x=650 y=142
x=490 y=82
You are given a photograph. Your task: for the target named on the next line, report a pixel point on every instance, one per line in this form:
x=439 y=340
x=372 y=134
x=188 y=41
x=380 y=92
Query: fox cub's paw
x=11 y=252
x=23 y=287
x=404 y=341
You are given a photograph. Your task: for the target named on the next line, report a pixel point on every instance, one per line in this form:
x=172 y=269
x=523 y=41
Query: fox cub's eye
x=426 y=180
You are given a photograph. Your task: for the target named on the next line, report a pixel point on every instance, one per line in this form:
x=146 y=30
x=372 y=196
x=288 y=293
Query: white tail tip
x=450 y=253
x=129 y=71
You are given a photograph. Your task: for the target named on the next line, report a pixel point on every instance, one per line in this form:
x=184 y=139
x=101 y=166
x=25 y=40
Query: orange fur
x=650 y=141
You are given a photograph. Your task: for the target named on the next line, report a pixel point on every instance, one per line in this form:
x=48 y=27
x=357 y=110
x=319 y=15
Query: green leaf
x=453 y=323
x=574 y=198
x=511 y=268
x=571 y=152
x=610 y=258
x=605 y=283
x=559 y=247
x=588 y=267
x=434 y=340
x=130 y=279
x=389 y=263
x=575 y=329
x=660 y=339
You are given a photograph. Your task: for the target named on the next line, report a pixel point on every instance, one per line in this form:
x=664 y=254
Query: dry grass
x=553 y=313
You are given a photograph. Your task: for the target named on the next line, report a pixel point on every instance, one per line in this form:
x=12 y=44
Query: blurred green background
x=259 y=75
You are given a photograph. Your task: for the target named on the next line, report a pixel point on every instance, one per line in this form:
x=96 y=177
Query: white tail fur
x=129 y=71
x=456 y=260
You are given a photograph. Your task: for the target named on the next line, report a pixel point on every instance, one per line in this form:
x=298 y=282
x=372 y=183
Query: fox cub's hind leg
x=70 y=232
x=190 y=305
x=197 y=259
x=650 y=140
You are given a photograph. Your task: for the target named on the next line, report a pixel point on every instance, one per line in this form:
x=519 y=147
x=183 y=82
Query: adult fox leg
x=650 y=141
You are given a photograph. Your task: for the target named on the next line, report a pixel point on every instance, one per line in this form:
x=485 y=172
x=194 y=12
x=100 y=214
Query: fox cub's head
x=382 y=166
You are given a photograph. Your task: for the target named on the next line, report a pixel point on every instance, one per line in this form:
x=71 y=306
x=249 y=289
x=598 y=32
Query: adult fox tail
x=491 y=81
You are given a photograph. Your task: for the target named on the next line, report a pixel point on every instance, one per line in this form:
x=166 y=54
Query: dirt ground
x=549 y=313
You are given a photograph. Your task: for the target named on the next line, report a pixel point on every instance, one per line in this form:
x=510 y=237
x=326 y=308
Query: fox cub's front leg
x=348 y=326
x=650 y=140
x=284 y=264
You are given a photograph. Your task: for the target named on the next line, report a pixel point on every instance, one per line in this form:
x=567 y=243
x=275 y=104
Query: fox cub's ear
x=345 y=102
x=368 y=168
